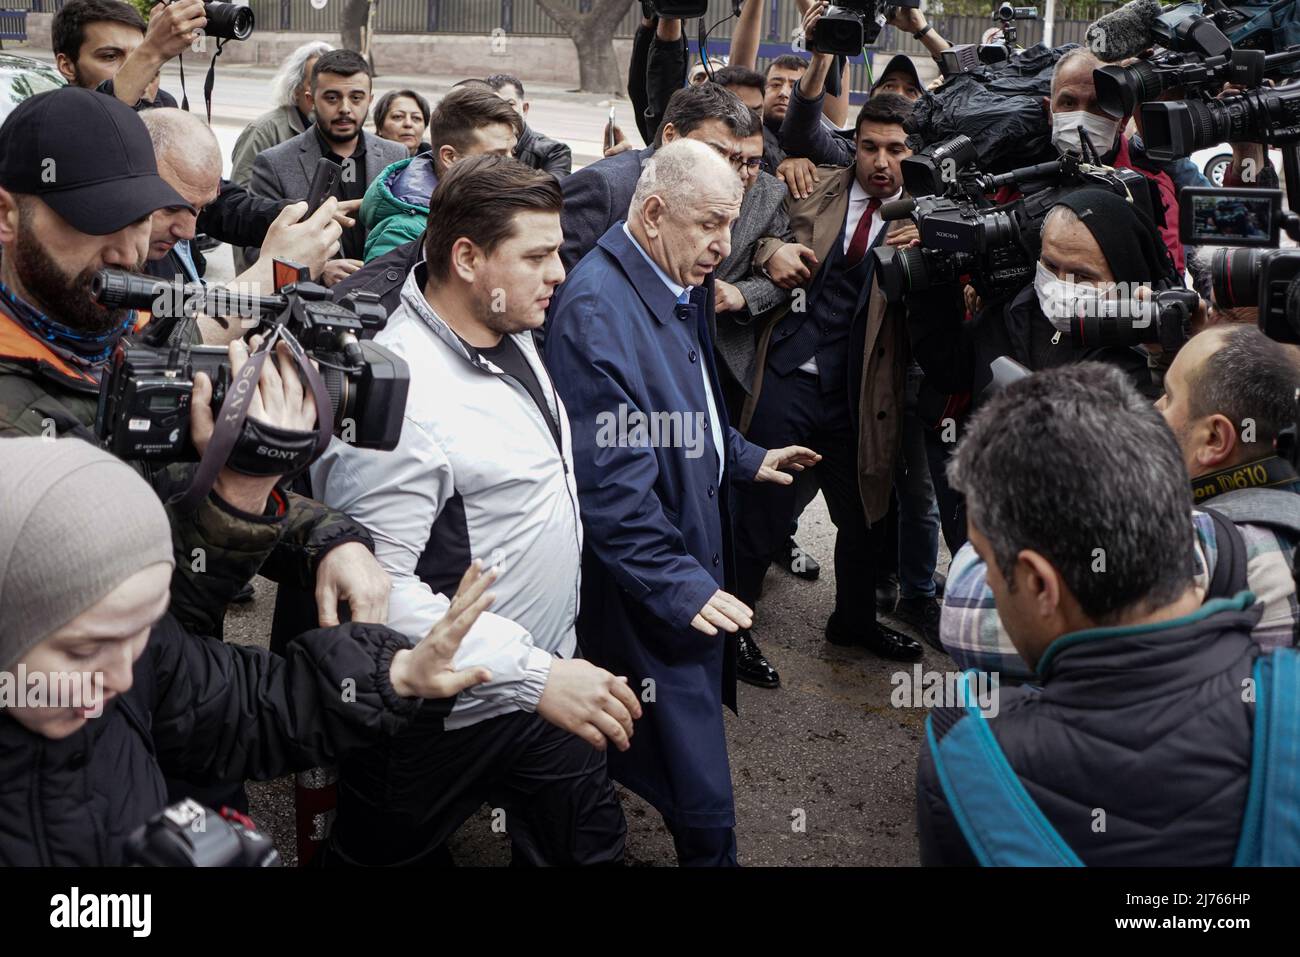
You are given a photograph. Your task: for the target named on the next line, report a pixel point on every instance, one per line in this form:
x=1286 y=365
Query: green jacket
x=218 y=548
x=396 y=205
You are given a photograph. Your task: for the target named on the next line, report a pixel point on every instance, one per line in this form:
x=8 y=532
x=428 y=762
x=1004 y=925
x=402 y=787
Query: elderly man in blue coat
x=630 y=353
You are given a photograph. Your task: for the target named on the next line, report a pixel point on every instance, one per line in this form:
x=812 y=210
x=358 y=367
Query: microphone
x=1125 y=32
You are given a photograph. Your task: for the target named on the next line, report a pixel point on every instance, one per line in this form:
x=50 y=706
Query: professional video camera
x=964 y=57
x=186 y=834
x=850 y=25
x=1122 y=89
x=144 y=399
x=1255 y=272
x=1173 y=130
x=964 y=237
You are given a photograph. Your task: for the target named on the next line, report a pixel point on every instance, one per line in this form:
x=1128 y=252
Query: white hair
x=182 y=139
x=679 y=172
x=292 y=75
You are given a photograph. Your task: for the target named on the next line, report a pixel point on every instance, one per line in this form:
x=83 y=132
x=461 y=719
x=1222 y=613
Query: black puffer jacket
x=543 y=153
x=1148 y=727
x=200 y=710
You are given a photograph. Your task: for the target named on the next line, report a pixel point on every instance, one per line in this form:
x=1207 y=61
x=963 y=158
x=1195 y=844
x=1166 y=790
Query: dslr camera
x=144 y=400
x=186 y=834
x=1251 y=269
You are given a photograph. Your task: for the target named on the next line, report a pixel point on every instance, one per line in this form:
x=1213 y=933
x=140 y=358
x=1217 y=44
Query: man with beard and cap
x=94 y=209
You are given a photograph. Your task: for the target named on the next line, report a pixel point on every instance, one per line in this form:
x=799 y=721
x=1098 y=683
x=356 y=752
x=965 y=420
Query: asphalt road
x=823 y=767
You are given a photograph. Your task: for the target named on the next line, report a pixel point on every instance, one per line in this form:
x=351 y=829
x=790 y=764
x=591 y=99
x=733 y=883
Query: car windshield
x=21 y=78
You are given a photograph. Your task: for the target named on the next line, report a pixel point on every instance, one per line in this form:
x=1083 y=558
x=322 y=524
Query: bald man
x=189 y=160
x=631 y=355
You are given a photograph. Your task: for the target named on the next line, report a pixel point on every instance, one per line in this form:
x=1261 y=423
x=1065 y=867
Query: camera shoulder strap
x=229 y=425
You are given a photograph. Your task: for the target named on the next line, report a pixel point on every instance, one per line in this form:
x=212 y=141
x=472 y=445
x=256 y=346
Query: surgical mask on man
x=1063 y=300
x=1101 y=131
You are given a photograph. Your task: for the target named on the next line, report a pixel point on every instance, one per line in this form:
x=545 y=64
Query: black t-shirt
x=509 y=358
x=353 y=242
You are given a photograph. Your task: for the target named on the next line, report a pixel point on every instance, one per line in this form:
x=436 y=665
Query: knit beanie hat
x=1132 y=245
x=75 y=523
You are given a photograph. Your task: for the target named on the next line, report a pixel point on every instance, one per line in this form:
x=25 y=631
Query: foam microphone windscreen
x=1124 y=32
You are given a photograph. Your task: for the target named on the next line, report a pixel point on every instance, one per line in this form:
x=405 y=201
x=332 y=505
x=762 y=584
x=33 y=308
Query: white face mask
x=1101 y=131
x=1062 y=300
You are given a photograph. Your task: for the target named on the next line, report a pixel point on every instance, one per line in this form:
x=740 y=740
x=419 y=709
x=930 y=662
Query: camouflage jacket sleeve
x=218 y=550
x=311 y=531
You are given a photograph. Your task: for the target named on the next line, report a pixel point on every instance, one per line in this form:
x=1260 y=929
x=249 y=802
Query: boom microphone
x=1125 y=32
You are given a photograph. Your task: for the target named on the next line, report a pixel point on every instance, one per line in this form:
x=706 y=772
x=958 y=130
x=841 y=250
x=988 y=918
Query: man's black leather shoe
x=923 y=615
x=797 y=562
x=876 y=638
x=751 y=667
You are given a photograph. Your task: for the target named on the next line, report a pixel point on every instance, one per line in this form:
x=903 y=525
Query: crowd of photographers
x=448 y=364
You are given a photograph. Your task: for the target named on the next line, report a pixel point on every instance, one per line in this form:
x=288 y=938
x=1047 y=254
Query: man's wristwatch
x=922 y=32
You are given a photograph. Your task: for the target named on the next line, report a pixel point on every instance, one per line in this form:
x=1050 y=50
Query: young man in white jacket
x=483 y=470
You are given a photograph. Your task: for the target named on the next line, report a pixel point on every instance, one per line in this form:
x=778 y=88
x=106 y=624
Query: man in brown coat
x=831 y=376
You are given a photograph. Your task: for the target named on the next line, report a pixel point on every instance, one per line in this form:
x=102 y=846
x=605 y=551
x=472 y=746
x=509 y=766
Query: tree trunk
x=593 y=36
x=355 y=13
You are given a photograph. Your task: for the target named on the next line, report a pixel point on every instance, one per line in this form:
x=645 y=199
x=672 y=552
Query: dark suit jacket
x=285 y=171
x=595 y=198
x=656 y=519
x=761 y=214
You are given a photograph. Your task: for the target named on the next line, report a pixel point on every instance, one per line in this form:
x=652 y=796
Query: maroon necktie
x=858 y=245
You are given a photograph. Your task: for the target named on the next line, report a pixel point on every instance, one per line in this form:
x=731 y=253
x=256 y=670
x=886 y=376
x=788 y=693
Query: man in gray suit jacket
x=340 y=93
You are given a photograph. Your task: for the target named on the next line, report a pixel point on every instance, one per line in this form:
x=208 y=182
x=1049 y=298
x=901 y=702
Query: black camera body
x=850 y=25
x=228 y=21
x=145 y=398
x=1268 y=279
x=965 y=238
x=186 y=834
x=959 y=240
x=677 y=9
x=1248 y=269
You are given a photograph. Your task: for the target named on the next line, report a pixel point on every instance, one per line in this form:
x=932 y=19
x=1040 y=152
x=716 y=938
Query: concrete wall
x=550 y=60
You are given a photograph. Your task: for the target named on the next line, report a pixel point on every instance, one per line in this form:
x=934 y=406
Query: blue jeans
x=918 y=510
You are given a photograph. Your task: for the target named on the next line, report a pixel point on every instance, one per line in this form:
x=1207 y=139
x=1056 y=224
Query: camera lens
x=1235 y=274
x=228 y=21
x=1120 y=89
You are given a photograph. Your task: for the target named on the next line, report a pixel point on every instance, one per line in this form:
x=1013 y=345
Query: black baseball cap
x=901 y=63
x=88 y=156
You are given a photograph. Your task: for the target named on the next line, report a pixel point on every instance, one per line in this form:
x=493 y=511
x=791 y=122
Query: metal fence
x=527 y=18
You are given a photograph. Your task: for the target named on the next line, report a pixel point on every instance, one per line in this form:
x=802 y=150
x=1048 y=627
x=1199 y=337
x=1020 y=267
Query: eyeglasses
x=738 y=162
